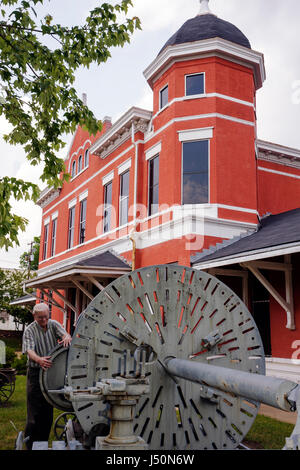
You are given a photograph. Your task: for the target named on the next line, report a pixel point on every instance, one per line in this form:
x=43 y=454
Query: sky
x=272 y=27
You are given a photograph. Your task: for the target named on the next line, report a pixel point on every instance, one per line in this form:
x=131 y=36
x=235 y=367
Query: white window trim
x=47 y=221
x=108 y=178
x=204 y=85
x=124 y=167
x=72 y=203
x=156 y=149
x=189 y=135
x=83 y=195
x=54 y=215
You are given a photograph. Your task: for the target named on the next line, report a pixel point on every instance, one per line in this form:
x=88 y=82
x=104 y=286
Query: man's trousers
x=39 y=411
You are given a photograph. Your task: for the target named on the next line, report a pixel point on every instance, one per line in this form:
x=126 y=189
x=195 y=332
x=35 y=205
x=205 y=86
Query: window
x=53 y=236
x=195 y=172
x=124 y=197
x=80 y=164
x=163 y=97
x=45 y=244
x=82 y=223
x=86 y=158
x=71 y=227
x=194 y=84
x=153 y=185
x=107 y=207
x=73 y=173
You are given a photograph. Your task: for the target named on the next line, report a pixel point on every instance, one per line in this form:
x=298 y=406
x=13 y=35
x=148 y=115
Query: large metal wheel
x=175 y=310
x=54 y=379
x=59 y=427
x=7 y=387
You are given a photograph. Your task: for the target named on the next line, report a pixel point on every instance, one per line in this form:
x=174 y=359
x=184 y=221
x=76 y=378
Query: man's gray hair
x=40 y=308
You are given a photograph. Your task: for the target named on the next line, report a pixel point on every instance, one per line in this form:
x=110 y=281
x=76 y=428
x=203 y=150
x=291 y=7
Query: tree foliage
x=11 y=287
x=39 y=59
x=30 y=259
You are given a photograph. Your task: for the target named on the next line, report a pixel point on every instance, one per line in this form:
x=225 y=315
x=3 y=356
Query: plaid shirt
x=41 y=341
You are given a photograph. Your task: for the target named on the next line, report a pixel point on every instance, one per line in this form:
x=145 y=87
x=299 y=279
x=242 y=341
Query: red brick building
x=179 y=184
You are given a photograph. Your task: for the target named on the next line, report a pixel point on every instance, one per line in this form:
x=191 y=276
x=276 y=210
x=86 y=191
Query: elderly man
x=39 y=338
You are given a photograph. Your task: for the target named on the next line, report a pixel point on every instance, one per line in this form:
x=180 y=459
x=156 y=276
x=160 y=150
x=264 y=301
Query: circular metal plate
x=172 y=309
x=54 y=379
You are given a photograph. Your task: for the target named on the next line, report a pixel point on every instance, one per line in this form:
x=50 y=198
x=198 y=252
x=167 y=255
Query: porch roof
x=103 y=265
x=276 y=235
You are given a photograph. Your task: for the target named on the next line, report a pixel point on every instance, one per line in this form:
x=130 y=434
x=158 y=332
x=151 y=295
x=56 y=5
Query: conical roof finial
x=204 y=8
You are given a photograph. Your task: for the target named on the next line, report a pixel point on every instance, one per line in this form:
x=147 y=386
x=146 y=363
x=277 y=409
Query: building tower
x=204 y=83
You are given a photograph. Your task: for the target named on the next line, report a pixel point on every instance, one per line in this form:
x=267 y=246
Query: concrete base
x=102 y=445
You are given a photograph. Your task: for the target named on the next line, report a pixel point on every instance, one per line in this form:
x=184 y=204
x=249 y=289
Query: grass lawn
x=266 y=433
x=14 y=412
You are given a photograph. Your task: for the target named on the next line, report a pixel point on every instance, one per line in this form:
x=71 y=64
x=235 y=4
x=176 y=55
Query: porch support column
x=83 y=289
x=288 y=303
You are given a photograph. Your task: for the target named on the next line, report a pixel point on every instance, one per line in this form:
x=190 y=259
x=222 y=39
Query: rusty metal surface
x=178 y=312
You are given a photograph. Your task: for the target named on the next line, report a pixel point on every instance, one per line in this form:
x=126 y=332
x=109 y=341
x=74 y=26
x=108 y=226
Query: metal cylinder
x=268 y=390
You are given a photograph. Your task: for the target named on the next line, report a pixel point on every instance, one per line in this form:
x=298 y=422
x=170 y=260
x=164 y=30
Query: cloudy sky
x=272 y=26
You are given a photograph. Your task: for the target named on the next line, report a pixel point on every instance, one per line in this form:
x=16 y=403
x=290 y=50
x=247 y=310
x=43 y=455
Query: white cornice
x=279 y=154
x=121 y=131
x=208 y=47
x=47 y=196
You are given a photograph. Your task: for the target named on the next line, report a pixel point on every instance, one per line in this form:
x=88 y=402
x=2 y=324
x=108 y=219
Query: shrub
x=10 y=356
x=20 y=364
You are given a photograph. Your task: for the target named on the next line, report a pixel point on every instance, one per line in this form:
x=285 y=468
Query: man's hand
x=66 y=340
x=45 y=362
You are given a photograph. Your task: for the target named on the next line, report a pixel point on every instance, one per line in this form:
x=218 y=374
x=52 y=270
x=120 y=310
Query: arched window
x=80 y=164
x=73 y=173
x=86 y=158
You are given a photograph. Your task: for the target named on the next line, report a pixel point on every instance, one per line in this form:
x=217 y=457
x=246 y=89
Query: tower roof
x=206 y=25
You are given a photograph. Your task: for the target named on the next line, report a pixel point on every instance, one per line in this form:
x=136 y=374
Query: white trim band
x=72 y=203
x=155 y=150
x=196 y=134
x=83 y=195
x=108 y=178
x=124 y=167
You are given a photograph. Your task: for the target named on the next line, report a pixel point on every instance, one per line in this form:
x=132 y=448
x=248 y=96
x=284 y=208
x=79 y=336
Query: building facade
x=174 y=184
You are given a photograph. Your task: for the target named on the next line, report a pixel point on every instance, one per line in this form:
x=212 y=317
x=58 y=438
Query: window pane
x=124 y=211
x=107 y=208
x=153 y=185
x=195 y=156
x=154 y=171
x=73 y=169
x=71 y=227
x=195 y=84
x=124 y=196
x=195 y=189
x=82 y=221
x=80 y=164
x=46 y=231
x=125 y=184
x=86 y=158
x=53 y=241
x=195 y=172
x=164 y=97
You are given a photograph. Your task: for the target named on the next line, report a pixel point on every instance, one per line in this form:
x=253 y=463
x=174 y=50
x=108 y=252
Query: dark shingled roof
x=207 y=27
x=274 y=230
x=106 y=259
